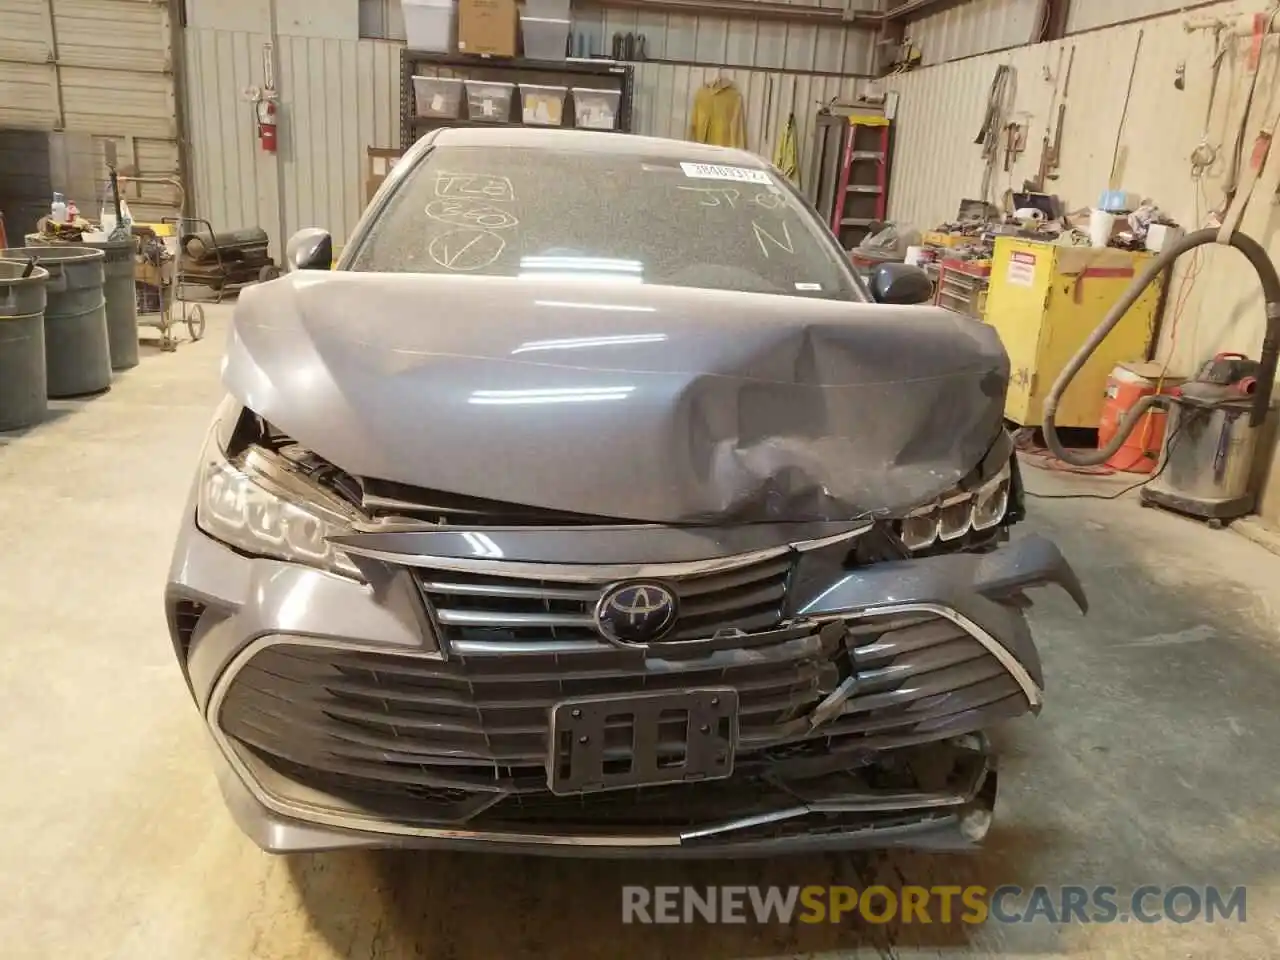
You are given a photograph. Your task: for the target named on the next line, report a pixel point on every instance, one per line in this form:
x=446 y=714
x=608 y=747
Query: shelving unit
x=600 y=74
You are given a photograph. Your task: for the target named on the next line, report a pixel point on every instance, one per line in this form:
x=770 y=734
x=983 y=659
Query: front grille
x=478 y=613
x=481 y=723
x=359 y=723
x=921 y=678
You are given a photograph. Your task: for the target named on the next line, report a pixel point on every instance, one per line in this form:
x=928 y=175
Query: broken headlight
x=259 y=507
x=952 y=516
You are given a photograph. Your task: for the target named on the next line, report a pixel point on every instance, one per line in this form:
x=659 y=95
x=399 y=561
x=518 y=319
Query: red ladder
x=875 y=148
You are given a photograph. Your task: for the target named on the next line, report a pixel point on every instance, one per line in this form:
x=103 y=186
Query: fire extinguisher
x=267 y=124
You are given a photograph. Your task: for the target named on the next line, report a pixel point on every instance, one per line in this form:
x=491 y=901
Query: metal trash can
x=23 y=397
x=122 y=300
x=77 y=352
x=119 y=291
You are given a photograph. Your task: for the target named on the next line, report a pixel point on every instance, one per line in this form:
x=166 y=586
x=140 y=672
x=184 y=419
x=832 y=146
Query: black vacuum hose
x=1266 y=272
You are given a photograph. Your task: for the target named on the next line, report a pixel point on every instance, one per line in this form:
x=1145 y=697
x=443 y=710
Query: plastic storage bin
x=542 y=105
x=489 y=100
x=545 y=38
x=595 y=109
x=428 y=24
x=437 y=96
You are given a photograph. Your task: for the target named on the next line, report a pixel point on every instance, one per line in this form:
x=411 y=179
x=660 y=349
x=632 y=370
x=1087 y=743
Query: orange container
x=1127 y=384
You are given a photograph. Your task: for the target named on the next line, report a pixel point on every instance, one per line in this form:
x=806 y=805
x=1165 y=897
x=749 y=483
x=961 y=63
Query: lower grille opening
x=933 y=768
x=415 y=739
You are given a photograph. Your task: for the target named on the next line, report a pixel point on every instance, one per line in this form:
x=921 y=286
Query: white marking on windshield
x=479 y=186
x=466 y=212
x=768 y=200
x=466 y=249
x=762 y=235
x=712 y=196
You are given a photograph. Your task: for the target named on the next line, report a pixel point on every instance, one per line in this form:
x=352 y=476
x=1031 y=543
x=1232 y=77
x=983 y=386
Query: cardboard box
x=378 y=163
x=487 y=27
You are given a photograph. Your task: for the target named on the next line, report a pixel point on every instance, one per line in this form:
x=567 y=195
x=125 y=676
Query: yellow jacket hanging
x=717 y=115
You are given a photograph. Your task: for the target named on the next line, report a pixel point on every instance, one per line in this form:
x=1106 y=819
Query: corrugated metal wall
x=937 y=164
x=984 y=26
x=103 y=67
x=1215 y=303
x=978 y=26
x=664 y=94
x=339 y=97
x=715 y=41
x=1091 y=14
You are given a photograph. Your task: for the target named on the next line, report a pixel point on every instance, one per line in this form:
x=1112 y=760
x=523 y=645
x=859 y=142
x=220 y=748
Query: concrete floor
x=1154 y=761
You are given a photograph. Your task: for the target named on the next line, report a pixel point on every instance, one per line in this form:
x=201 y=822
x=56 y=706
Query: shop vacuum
x=1215 y=421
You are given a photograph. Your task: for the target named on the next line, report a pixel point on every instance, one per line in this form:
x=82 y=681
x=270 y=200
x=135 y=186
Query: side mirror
x=310 y=249
x=901 y=283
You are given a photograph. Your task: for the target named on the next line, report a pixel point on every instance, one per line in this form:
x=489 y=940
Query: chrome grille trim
x=585 y=594
x=467 y=618
x=491 y=614
x=588 y=572
x=569 y=572
x=1034 y=695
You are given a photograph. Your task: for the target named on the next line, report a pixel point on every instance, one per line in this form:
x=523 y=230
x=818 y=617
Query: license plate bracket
x=642 y=740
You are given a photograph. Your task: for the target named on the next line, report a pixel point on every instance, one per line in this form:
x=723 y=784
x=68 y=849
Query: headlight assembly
x=260 y=509
x=955 y=514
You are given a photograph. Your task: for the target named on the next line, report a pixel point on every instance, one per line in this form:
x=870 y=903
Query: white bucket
x=1100 y=224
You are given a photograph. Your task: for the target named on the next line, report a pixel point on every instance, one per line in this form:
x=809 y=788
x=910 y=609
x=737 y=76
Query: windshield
x=519 y=212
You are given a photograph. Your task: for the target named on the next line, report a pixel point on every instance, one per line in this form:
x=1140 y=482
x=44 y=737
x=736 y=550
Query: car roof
x=594 y=141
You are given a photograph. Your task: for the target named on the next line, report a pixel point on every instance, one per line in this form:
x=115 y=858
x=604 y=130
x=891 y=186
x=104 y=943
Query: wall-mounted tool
x=999 y=101
x=1051 y=144
x=1055 y=150
x=1055 y=156
x=1119 y=151
x=1015 y=144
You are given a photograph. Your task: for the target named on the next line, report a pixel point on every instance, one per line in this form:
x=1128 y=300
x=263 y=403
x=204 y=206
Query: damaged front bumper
x=416 y=711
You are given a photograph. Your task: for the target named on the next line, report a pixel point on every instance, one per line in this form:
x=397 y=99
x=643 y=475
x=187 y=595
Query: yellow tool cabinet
x=1044 y=301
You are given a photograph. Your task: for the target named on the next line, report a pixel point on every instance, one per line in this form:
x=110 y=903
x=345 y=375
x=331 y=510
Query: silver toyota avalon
x=594 y=505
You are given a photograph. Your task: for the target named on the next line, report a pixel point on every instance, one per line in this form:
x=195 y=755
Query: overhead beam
x=914 y=8
x=774 y=10
x=888 y=22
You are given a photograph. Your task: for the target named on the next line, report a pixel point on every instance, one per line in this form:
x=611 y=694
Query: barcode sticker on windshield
x=714 y=171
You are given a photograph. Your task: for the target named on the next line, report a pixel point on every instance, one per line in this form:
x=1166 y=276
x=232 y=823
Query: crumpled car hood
x=632 y=402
